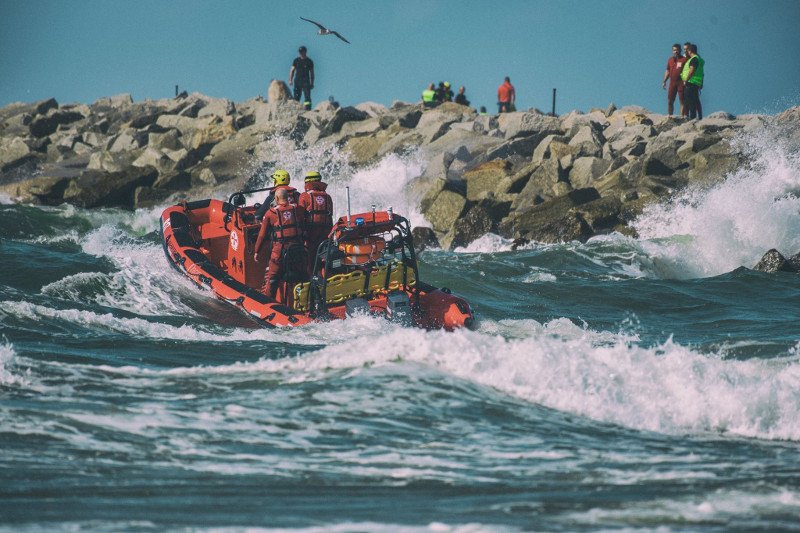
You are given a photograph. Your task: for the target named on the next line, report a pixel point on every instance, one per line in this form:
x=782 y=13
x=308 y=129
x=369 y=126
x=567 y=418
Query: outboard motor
x=398 y=308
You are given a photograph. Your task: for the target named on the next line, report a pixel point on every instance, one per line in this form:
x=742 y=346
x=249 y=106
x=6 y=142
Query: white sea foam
x=731 y=506
x=607 y=377
x=709 y=231
x=10 y=375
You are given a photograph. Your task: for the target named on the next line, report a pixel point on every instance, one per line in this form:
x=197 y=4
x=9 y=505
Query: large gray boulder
x=523 y=124
x=486 y=177
x=278 y=91
x=14 y=153
x=96 y=188
x=474 y=224
x=552 y=221
x=445 y=209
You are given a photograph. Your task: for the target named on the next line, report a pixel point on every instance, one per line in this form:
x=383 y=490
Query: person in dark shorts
x=692 y=75
x=673 y=74
x=686 y=47
x=506 y=96
x=302 y=74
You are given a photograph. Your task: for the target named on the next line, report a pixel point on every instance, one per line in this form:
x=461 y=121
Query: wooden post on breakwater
x=554 y=103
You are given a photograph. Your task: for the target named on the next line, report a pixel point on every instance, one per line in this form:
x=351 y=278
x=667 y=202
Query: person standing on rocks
x=686 y=46
x=302 y=74
x=461 y=98
x=692 y=75
x=506 y=96
x=673 y=74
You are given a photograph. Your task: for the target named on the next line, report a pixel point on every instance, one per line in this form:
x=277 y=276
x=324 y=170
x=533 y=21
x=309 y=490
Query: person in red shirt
x=673 y=74
x=283 y=226
x=319 y=215
x=506 y=96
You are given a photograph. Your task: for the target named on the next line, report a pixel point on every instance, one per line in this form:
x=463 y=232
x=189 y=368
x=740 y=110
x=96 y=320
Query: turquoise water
x=619 y=384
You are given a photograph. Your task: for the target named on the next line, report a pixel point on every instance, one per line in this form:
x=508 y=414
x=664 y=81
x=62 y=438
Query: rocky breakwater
x=523 y=175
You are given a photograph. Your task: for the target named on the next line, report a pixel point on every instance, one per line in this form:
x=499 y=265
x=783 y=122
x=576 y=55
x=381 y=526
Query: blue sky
x=593 y=52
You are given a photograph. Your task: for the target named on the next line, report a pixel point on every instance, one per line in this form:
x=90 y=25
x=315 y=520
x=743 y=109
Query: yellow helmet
x=280 y=177
x=313 y=176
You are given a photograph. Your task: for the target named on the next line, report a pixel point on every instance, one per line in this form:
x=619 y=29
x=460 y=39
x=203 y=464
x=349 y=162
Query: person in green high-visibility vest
x=429 y=96
x=692 y=76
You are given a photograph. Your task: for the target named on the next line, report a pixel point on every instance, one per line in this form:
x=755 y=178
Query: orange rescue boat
x=367 y=265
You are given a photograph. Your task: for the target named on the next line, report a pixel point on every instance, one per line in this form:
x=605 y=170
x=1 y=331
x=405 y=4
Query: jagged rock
x=127 y=141
x=218 y=107
x=602 y=214
x=474 y=224
x=95 y=188
x=541 y=185
x=148 y=196
x=543 y=151
x=773 y=261
x=484 y=123
x=205 y=176
x=217 y=130
x=486 y=177
x=424 y=238
x=522 y=124
x=552 y=221
x=712 y=164
x=445 y=209
x=372 y=109
x=587 y=169
x=173 y=180
x=116 y=101
x=185 y=125
x=359 y=128
x=278 y=91
x=169 y=140
x=575 y=120
x=14 y=154
x=588 y=142
x=154 y=158
x=110 y=162
x=46 y=124
x=519 y=146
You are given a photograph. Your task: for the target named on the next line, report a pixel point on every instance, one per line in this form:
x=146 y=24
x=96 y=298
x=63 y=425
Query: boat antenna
x=347 y=188
x=373 y=213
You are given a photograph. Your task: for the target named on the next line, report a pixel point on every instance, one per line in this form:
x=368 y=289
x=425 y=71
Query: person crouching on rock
x=283 y=226
x=319 y=214
x=280 y=180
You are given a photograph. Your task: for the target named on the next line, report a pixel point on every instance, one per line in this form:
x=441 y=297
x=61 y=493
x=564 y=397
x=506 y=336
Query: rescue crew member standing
x=282 y=226
x=319 y=214
x=692 y=75
x=302 y=74
x=506 y=96
x=673 y=74
x=280 y=180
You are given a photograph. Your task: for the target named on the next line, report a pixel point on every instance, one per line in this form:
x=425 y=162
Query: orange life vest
x=320 y=210
x=288 y=227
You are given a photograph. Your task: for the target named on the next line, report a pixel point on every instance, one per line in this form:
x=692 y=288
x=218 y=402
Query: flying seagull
x=325 y=31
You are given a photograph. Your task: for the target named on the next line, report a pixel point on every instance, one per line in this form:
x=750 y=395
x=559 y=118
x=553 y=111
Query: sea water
x=636 y=384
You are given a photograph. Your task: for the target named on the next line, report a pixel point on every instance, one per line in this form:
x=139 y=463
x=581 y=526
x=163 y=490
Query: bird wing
x=315 y=23
x=336 y=33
